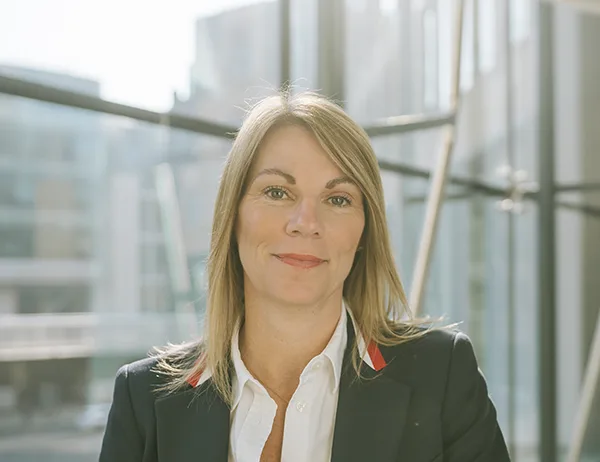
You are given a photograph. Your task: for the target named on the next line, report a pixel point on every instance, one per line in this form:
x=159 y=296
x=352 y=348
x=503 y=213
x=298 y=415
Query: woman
x=304 y=356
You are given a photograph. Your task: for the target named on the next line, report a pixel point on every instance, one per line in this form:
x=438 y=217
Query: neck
x=277 y=341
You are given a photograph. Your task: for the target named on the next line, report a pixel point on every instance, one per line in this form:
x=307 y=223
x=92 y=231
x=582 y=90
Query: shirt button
x=317 y=366
x=300 y=406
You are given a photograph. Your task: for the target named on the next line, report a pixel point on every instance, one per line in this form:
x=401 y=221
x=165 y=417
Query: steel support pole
x=547 y=238
x=511 y=241
x=438 y=183
x=284 y=43
x=331 y=49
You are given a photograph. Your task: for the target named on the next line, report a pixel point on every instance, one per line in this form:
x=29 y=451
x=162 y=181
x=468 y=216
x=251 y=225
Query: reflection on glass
x=468 y=283
x=84 y=282
x=419 y=149
x=304 y=45
x=376 y=69
x=577 y=291
x=404 y=196
x=430 y=60
x=488 y=34
x=236 y=62
x=199 y=57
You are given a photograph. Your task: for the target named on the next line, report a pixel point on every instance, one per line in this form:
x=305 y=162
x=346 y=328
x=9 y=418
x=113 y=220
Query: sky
x=139 y=50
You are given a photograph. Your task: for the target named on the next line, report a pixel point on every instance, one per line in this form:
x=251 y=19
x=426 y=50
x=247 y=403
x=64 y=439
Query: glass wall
x=105 y=220
x=85 y=277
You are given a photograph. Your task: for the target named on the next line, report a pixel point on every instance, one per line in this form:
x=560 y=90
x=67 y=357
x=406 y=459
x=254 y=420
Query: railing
x=30 y=337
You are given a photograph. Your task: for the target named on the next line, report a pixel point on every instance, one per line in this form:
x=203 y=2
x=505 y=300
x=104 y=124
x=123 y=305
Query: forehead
x=293 y=146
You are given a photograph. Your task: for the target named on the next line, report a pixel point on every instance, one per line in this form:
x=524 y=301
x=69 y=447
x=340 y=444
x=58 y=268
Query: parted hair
x=372 y=291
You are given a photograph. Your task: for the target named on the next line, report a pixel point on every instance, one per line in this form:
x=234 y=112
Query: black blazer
x=429 y=404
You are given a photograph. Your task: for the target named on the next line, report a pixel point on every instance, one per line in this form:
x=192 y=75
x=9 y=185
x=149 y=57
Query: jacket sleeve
x=123 y=441
x=470 y=428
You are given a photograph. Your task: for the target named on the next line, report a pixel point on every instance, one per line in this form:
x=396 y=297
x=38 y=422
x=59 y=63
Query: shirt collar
x=334 y=351
x=241 y=372
x=336 y=347
x=369 y=354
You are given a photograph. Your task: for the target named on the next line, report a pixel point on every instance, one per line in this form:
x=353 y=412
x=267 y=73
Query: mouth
x=300 y=260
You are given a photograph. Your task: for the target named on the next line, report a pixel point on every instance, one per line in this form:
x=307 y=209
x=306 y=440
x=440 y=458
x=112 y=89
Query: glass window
x=304 y=52
x=91 y=274
x=521 y=19
x=10 y=139
x=382 y=74
x=406 y=214
x=419 y=149
x=201 y=58
x=473 y=236
x=430 y=60
x=467 y=62
x=388 y=6
x=409 y=53
x=577 y=312
x=488 y=34
x=16 y=242
x=87 y=245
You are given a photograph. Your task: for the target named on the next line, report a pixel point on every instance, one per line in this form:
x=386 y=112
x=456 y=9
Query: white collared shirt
x=310 y=415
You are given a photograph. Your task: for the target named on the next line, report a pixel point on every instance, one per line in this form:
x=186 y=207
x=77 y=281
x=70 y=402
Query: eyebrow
x=341 y=180
x=291 y=180
x=275 y=171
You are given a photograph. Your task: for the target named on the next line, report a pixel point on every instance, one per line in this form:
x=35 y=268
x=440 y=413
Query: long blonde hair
x=372 y=290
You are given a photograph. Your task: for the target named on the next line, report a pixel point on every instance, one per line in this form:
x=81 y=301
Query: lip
x=299 y=260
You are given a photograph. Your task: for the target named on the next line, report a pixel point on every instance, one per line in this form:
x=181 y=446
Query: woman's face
x=299 y=223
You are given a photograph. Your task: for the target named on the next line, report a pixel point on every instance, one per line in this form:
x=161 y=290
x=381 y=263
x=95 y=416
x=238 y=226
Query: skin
x=297 y=202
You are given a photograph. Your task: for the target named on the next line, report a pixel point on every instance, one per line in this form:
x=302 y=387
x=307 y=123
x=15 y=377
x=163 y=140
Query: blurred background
x=115 y=118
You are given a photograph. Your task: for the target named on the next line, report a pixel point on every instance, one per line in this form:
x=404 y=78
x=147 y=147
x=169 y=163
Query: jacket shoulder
x=139 y=381
x=424 y=360
x=141 y=367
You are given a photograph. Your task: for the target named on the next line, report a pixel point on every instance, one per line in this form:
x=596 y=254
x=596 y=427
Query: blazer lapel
x=192 y=426
x=370 y=416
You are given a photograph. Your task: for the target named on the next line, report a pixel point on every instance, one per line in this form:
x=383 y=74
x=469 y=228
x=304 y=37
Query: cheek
x=256 y=225
x=346 y=234
x=356 y=227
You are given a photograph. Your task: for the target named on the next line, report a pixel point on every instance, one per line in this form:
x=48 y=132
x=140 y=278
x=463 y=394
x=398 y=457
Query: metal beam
x=547 y=238
x=578 y=187
x=462 y=196
x=511 y=241
x=331 y=49
x=408 y=123
x=474 y=185
x=438 y=183
x=583 y=6
x=284 y=43
x=35 y=91
x=30 y=90
x=586 y=209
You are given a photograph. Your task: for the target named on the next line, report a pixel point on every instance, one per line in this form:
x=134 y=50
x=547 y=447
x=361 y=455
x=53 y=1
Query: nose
x=304 y=220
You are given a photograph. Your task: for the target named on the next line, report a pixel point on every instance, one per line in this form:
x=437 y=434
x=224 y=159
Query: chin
x=297 y=296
